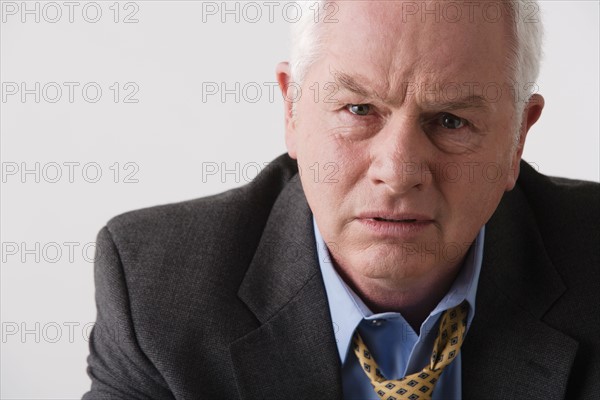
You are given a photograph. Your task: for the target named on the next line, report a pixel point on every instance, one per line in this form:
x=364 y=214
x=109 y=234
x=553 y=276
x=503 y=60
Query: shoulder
x=181 y=264
x=567 y=215
x=570 y=193
x=224 y=214
x=566 y=210
x=200 y=245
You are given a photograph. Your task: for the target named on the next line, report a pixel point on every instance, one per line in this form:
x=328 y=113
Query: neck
x=415 y=300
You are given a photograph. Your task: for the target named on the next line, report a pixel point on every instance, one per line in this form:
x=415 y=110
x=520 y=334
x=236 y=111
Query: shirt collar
x=348 y=310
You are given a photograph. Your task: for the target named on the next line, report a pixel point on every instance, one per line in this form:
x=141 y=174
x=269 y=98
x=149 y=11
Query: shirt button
x=377 y=322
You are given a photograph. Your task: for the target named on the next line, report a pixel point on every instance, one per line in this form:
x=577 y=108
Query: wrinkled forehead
x=462 y=40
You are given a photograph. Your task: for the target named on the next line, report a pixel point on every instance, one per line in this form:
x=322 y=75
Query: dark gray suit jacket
x=222 y=298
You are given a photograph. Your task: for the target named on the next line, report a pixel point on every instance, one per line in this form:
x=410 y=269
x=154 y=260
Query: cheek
x=330 y=161
x=473 y=193
x=331 y=174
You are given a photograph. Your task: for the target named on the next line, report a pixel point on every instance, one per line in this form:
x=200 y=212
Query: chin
x=392 y=266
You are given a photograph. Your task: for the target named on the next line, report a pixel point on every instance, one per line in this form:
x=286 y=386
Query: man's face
x=404 y=139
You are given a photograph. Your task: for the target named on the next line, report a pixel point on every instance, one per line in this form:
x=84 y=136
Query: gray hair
x=525 y=51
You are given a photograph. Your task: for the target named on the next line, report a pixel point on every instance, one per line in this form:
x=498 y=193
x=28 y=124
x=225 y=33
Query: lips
x=384 y=216
x=395 y=225
x=394 y=220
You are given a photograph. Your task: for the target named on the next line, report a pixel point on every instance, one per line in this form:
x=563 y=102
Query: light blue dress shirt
x=398 y=350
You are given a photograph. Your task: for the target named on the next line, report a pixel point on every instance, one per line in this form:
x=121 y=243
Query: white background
x=47 y=305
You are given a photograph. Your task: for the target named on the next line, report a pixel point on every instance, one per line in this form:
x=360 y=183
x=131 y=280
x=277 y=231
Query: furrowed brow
x=348 y=82
x=467 y=102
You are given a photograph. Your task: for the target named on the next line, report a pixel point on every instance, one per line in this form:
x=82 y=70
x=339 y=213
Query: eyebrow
x=470 y=101
x=348 y=82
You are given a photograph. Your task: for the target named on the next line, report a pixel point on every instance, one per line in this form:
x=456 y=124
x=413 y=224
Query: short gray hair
x=525 y=51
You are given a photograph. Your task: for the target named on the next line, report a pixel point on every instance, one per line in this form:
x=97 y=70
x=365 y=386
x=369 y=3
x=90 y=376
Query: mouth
x=407 y=220
x=390 y=216
x=404 y=226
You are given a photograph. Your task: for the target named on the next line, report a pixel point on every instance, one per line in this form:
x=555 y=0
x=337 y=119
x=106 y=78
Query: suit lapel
x=509 y=353
x=293 y=353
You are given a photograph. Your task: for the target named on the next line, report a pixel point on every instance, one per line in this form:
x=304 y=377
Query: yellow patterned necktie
x=418 y=386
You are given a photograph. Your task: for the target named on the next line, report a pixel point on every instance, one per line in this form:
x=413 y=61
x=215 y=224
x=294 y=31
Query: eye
x=359 y=109
x=450 y=121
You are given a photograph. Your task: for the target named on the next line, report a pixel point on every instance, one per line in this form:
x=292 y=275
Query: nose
x=399 y=154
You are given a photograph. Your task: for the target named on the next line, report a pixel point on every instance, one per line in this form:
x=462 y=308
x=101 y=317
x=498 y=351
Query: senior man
x=400 y=250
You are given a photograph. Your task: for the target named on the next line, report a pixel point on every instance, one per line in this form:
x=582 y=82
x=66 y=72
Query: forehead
x=398 y=41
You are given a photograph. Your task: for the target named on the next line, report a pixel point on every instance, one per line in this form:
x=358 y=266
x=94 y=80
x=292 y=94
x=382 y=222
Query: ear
x=282 y=71
x=531 y=113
